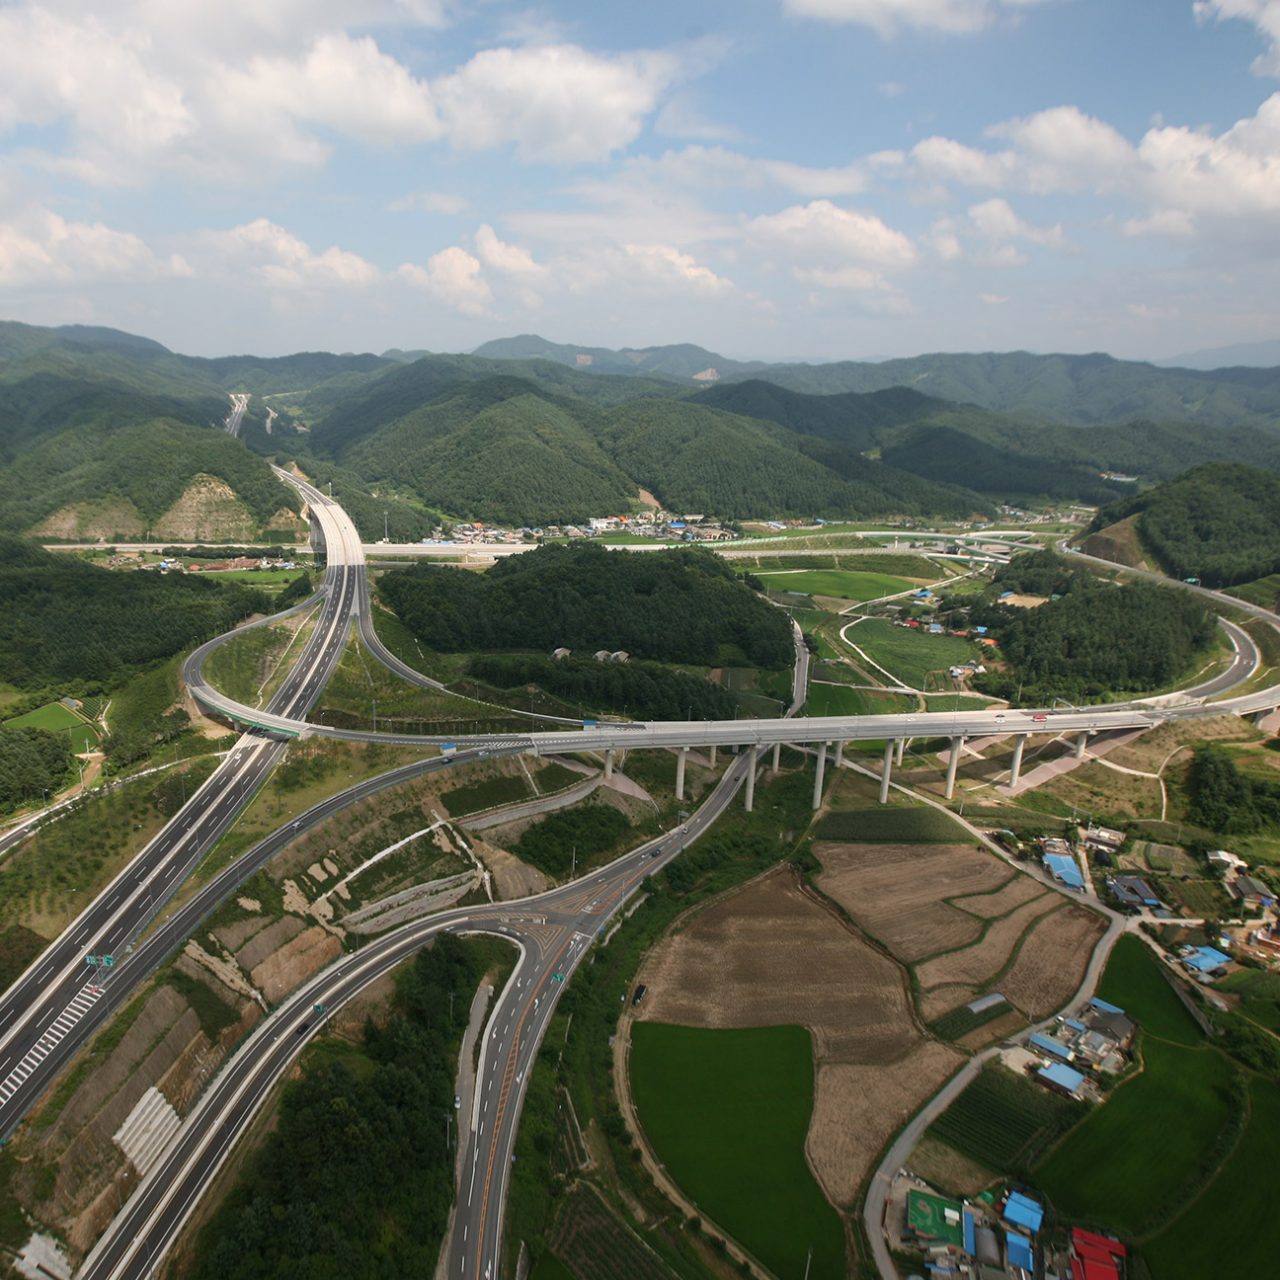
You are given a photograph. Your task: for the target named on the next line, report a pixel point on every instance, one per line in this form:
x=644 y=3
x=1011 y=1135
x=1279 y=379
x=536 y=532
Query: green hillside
x=1219 y=523
x=1079 y=390
x=682 y=606
x=699 y=459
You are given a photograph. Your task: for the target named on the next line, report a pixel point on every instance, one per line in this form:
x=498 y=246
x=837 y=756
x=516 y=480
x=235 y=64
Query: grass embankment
x=727 y=1113
x=313 y=770
x=251 y=666
x=50 y=877
x=576 y=1061
x=358 y=1178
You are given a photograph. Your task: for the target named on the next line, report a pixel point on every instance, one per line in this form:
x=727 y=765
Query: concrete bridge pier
x=953 y=761
x=887 y=772
x=608 y=763
x=713 y=755
x=901 y=747
x=819 y=773
x=839 y=760
x=1078 y=750
x=1015 y=770
x=777 y=756
x=680 y=758
x=1259 y=716
x=750 y=797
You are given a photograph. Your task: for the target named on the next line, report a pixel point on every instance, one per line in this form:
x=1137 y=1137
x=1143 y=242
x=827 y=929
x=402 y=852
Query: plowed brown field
x=896 y=891
x=1052 y=961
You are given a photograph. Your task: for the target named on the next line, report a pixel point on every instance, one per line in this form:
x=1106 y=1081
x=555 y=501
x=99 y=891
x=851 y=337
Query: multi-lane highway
x=47 y=1014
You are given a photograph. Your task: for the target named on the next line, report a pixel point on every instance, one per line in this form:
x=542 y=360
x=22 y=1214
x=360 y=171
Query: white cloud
x=510 y=259
x=557 y=103
x=706 y=168
x=454 y=277
x=40 y=246
x=996 y=220
x=1264 y=14
x=282 y=259
x=993 y=299
x=445 y=202
x=890 y=16
x=834 y=236
x=654 y=269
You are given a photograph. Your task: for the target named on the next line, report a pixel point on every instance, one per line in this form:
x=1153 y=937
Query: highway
x=553 y=932
x=48 y=1013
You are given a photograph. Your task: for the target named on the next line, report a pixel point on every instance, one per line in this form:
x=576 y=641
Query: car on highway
x=1039 y=718
x=457 y=1102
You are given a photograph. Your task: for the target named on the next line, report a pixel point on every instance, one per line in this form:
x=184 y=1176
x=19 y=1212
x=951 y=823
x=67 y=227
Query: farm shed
x=1061 y=1078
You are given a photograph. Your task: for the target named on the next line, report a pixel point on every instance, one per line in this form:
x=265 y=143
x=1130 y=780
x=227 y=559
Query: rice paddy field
x=727 y=1112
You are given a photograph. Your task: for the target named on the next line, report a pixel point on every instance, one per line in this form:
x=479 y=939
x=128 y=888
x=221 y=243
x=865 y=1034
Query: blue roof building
x=1020 y=1253
x=970 y=1245
x=1062 y=867
x=1023 y=1211
x=1051 y=1047
x=1205 y=960
x=1061 y=1076
x=1104 y=1006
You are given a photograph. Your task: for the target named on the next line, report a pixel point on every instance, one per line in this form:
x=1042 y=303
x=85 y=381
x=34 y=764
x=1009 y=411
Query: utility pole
x=386 y=537
x=573 y=872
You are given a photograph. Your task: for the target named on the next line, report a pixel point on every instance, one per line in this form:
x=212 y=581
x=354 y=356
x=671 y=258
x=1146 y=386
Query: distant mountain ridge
x=1253 y=355
x=683 y=360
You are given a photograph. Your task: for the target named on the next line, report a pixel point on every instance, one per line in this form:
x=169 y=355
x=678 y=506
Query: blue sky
x=769 y=178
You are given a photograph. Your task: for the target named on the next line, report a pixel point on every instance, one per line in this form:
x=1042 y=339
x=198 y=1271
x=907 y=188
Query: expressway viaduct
x=58 y=1003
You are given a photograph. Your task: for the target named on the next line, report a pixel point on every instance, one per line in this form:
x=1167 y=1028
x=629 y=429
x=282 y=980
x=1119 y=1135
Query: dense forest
x=640 y=690
x=64 y=622
x=33 y=762
x=1218 y=522
x=357 y=1180
x=1227 y=801
x=574 y=836
x=1095 y=640
x=679 y=606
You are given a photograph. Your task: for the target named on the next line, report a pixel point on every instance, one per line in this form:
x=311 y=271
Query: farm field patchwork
x=841 y=700
x=589 y=1240
x=984 y=959
x=781 y=957
x=727 y=1112
x=889 y=824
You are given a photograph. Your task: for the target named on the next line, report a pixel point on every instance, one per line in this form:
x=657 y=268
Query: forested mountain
x=679 y=607
x=1219 y=523
x=1092 y=639
x=67 y=623
x=1079 y=390
x=679 y=360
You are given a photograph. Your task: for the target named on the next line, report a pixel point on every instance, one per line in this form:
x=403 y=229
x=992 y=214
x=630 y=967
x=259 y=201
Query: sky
x=772 y=179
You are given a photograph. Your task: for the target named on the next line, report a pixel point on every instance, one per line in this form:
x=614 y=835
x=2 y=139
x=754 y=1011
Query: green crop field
x=840 y=700
x=1200 y=897
x=891 y=825
x=1134 y=981
x=56 y=718
x=959 y=1022
x=1002 y=1120
x=911 y=656
x=1142 y=1149
x=1226 y=1231
x=727 y=1113
x=843 y=584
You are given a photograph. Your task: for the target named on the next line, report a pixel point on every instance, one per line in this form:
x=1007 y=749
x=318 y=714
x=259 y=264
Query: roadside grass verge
x=727 y=1112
